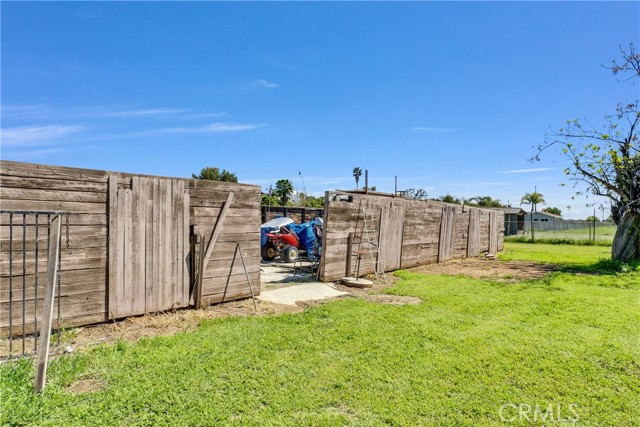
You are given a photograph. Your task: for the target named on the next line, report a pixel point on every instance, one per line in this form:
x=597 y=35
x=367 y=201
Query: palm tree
x=532 y=199
x=284 y=189
x=357 y=173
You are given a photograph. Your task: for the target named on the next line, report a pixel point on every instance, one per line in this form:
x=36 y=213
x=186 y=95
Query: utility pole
x=366 y=181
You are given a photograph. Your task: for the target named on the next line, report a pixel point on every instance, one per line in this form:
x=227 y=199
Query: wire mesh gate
x=24 y=245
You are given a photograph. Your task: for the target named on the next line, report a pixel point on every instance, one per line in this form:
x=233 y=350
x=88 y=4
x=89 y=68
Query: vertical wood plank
x=473 y=238
x=197 y=292
x=49 y=293
x=443 y=235
x=452 y=231
x=493 y=232
x=134 y=255
x=142 y=221
x=397 y=218
x=128 y=259
x=162 y=262
x=113 y=246
x=383 y=239
x=166 y=244
x=156 y=287
x=186 y=247
x=121 y=246
x=447 y=233
x=174 y=243
x=149 y=239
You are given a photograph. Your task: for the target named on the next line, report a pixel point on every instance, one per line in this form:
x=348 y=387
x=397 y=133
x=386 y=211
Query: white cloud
x=422 y=129
x=26 y=111
x=532 y=170
x=137 y=113
x=265 y=83
x=47 y=112
x=219 y=127
x=37 y=135
x=256 y=84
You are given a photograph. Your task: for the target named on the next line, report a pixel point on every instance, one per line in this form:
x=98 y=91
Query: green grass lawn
x=562 y=255
x=469 y=348
x=604 y=236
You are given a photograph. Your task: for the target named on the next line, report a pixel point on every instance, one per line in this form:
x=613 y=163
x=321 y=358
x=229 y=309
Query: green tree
x=592 y=218
x=268 y=200
x=449 y=199
x=284 y=190
x=533 y=199
x=416 y=194
x=484 y=201
x=214 y=174
x=314 y=202
x=552 y=210
x=357 y=173
x=606 y=159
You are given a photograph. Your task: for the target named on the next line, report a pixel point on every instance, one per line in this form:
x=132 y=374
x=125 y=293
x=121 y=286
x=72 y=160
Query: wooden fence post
x=347 y=272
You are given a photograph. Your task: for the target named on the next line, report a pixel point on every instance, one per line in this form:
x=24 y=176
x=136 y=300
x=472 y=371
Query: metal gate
x=28 y=241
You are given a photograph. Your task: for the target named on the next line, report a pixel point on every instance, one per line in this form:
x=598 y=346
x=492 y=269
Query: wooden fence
x=298 y=214
x=405 y=233
x=130 y=241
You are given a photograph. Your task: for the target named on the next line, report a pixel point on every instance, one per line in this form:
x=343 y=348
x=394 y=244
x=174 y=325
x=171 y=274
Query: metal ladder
x=368 y=234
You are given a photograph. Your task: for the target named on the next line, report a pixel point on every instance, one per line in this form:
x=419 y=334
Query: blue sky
x=450 y=97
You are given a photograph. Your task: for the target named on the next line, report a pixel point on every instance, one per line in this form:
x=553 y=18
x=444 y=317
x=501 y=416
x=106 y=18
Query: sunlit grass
x=470 y=347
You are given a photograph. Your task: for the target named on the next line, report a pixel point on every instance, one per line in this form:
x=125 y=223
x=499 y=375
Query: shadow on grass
x=602 y=267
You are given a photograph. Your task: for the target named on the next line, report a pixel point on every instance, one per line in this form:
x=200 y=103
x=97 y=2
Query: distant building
x=513 y=220
x=542 y=217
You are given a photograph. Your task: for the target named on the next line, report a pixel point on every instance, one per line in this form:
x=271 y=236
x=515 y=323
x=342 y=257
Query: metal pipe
x=10 y=285
x=35 y=298
x=24 y=278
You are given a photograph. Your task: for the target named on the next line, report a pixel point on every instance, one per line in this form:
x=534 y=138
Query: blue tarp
x=305 y=234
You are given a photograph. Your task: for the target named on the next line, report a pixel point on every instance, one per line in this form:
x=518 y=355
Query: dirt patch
x=86 y=385
x=160 y=324
x=393 y=299
x=483 y=268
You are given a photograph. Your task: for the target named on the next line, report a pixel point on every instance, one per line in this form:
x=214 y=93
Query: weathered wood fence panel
x=391 y=228
x=447 y=233
x=150 y=227
x=473 y=242
x=493 y=232
x=149 y=246
x=426 y=226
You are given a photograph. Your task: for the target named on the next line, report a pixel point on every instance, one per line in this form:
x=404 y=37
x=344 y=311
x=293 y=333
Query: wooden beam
x=246 y=273
x=47 y=314
x=197 y=291
x=113 y=246
x=347 y=270
x=217 y=229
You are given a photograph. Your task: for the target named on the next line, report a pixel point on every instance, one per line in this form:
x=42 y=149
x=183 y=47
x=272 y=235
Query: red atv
x=283 y=243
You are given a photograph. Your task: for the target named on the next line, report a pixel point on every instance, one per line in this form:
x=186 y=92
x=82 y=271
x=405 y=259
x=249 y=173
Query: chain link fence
x=585 y=232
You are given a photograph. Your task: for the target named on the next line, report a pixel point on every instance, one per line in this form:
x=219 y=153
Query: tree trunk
x=626 y=242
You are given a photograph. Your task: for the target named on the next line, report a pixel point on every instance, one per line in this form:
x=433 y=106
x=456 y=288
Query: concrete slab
x=284 y=273
x=301 y=292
